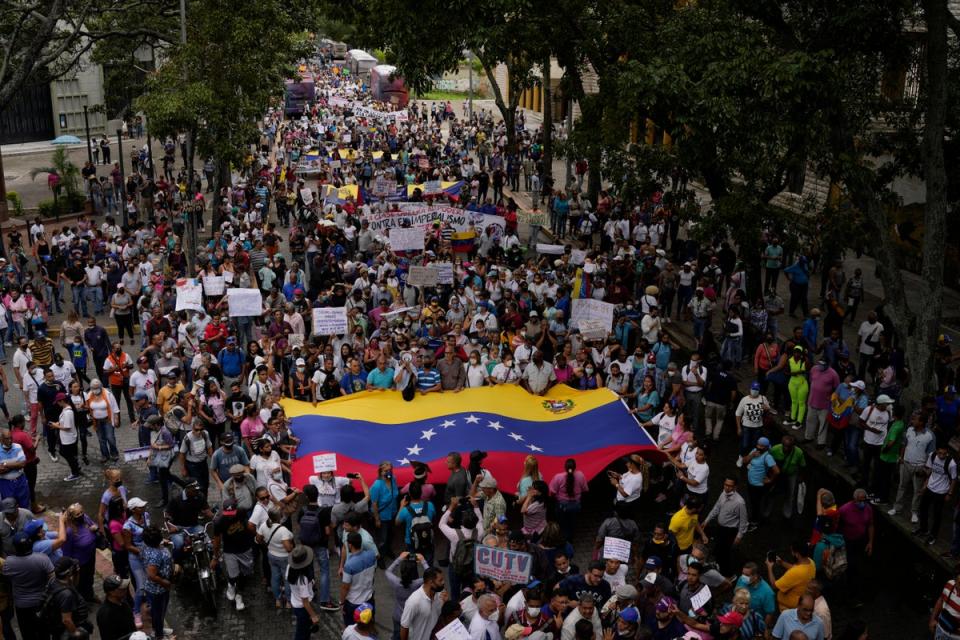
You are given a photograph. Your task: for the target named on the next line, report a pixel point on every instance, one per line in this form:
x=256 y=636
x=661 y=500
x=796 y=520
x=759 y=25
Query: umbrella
x=67 y=140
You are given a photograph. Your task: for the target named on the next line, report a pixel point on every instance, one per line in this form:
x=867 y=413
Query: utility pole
x=189 y=206
x=4 y=210
x=123 y=179
x=86 y=125
x=470 y=84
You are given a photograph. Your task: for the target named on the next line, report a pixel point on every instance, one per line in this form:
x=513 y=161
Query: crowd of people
x=203 y=390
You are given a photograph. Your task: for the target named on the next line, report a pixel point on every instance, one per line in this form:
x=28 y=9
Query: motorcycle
x=195 y=560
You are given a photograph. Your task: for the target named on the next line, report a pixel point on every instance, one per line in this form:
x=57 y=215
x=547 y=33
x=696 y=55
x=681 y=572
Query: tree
x=65 y=170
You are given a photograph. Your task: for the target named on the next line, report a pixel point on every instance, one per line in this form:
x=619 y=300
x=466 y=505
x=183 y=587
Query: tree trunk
x=507 y=112
x=547 y=126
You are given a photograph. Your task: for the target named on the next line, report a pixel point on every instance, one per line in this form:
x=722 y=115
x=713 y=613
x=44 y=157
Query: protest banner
x=244 y=302
x=213 y=285
x=189 y=295
x=590 y=309
x=423 y=216
x=419 y=276
x=616 y=549
x=502 y=564
x=307 y=196
x=402 y=239
x=454 y=631
x=139 y=453
x=550 y=249
x=432 y=187
x=444 y=272
x=538 y=218
x=577 y=256
x=593 y=329
x=329 y=321
x=324 y=462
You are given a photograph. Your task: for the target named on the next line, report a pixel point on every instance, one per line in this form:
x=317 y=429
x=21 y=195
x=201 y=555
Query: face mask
x=754 y=393
x=301 y=369
x=861 y=505
x=495 y=616
x=589 y=370
x=118 y=483
x=533 y=612
x=694 y=364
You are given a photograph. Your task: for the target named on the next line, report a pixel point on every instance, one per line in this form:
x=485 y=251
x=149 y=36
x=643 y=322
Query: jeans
x=53 y=299
x=179 y=538
x=798 y=298
x=158 y=610
x=79 y=300
x=322 y=555
x=139 y=579
x=748 y=439
x=95 y=294
x=567 y=513
x=301 y=629
x=851 y=445
x=106 y=434
x=384 y=535
x=278 y=568
x=732 y=349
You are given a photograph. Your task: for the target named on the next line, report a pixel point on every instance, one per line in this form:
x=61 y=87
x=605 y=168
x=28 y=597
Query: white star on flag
x=496 y=426
x=448 y=423
x=516 y=436
x=429 y=433
x=472 y=419
x=414 y=450
x=534 y=447
x=403 y=462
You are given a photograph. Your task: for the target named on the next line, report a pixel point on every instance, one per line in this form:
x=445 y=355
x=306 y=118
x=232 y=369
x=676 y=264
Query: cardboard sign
x=616 y=549
x=422 y=276
x=590 y=309
x=213 y=285
x=502 y=564
x=307 y=196
x=190 y=296
x=533 y=218
x=432 y=188
x=296 y=340
x=550 y=249
x=329 y=321
x=244 y=302
x=444 y=272
x=406 y=239
x=454 y=631
x=700 y=598
x=132 y=455
x=593 y=329
x=324 y=462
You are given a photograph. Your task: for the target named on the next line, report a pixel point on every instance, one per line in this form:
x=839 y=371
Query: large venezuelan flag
x=363 y=429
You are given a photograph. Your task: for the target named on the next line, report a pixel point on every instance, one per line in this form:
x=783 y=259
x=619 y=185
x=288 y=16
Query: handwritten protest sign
x=244 y=302
x=616 y=549
x=700 y=598
x=590 y=309
x=550 y=249
x=329 y=321
x=593 y=329
x=189 y=296
x=213 y=285
x=324 y=462
x=406 y=239
x=422 y=276
x=578 y=256
x=538 y=218
x=502 y=564
x=454 y=631
x=444 y=272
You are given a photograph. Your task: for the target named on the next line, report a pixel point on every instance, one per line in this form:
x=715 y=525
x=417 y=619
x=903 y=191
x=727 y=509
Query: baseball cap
x=237 y=468
x=32 y=527
x=301 y=362
x=141 y=395
x=229 y=508
x=884 y=399
x=60 y=397
x=859 y=384
x=733 y=618
x=630 y=614
x=763 y=442
x=9 y=505
x=114 y=582
x=627 y=592
x=755 y=386
x=653 y=562
x=663 y=604
x=65 y=566
x=136 y=503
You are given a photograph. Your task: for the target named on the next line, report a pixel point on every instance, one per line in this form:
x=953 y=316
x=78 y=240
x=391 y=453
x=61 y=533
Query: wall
x=69 y=94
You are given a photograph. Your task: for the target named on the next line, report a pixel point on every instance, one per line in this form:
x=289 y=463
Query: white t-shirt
x=941 y=474
x=300 y=590
x=870 y=332
x=666 y=425
x=264 y=467
x=420 y=614
x=750 y=411
x=700 y=473
x=876 y=419
x=633 y=485
x=618 y=578
x=68 y=428
x=146 y=382
x=276 y=534
x=64 y=374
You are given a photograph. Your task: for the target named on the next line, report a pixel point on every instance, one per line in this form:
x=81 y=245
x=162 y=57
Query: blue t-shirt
x=427 y=379
x=354 y=382
x=947 y=412
x=757 y=468
x=762 y=598
x=406 y=518
x=384 y=495
x=381 y=380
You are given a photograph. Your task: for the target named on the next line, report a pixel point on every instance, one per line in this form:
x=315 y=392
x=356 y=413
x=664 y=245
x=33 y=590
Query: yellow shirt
x=793 y=583
x=167 y=397
x=683 y=524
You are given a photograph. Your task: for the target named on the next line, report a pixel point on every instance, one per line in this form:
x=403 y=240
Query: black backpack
x=311 y=533
x=462 y=562
x=421 y=528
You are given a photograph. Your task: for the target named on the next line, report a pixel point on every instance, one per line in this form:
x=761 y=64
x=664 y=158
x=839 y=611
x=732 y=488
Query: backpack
x=462 y=562
x=421 y=528
x=310 y=531
x=49 y=613
x=836 y=563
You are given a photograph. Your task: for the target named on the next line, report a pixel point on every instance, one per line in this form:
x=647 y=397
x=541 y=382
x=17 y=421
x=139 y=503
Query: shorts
x=238 y=564
x=715 y=412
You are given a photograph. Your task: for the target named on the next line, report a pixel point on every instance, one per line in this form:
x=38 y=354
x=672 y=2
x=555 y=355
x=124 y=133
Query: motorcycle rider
x=183 y=515
x=234 y=534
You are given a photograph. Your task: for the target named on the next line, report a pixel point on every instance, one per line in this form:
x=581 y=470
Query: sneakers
x=71 y=478
x=137 y=621
x=239 y=602
x=231 y=591
x=53 y=456
x=330 y=606
x=895 y=511
x=739 y=462
x=914 y=518
x=931 y=540
x=829 y=453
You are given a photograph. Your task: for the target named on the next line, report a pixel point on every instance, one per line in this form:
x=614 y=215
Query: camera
x=353 y=476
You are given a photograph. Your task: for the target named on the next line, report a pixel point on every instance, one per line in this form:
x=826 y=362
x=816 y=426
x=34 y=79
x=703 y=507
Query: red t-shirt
x=23 y=439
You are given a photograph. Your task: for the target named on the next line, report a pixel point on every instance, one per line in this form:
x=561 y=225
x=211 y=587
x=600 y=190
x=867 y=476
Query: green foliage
x=16 y=202
x=61 y=165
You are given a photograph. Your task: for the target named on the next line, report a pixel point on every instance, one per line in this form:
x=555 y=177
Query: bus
x=359 y=62
x=297 y=93
x=386 y=86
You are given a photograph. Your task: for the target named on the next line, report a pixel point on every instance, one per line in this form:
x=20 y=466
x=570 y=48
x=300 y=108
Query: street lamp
x=86 y=125
x=469 y=55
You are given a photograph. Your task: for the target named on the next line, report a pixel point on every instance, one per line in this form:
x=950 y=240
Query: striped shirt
x=427 y=379
x=949 y=619
x=42 y=351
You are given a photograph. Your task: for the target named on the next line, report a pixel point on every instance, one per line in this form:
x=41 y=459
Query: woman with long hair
x=405 y=583
x=212 y=407
x=300 y=579
x=116 y=516
x=534 y=510
x=568 y=488
x=531 y=473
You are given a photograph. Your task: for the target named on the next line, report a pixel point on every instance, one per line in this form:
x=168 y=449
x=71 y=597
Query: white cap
x=301 y=362
x=136 y=503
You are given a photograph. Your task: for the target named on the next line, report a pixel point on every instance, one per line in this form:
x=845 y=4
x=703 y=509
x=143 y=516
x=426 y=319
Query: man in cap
x=762 y=471
x=494 y=504
x=114 y=616
x=231 y=360
x=13 y=519
x=235 y=535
